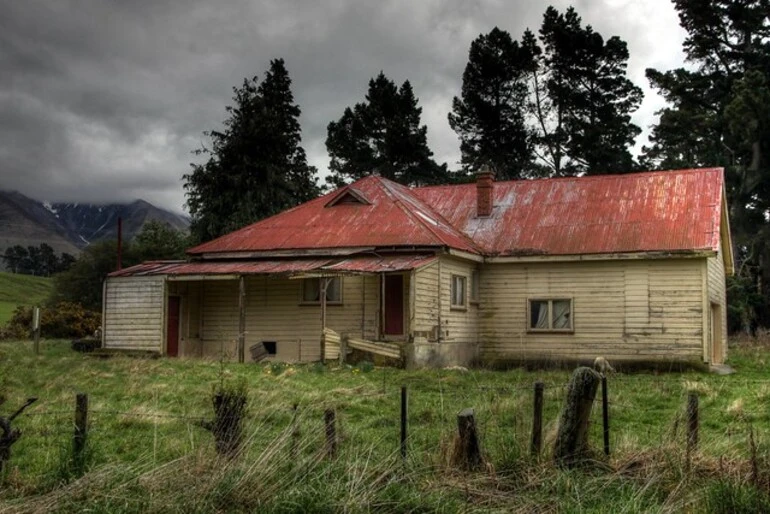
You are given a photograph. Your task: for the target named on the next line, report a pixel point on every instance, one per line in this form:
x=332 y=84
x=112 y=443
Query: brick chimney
x=484 y=191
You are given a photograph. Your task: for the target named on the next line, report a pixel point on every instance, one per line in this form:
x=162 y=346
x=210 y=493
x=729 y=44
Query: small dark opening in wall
x=270 y=346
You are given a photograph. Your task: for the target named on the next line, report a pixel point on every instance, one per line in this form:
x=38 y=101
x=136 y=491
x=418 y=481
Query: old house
x=630 y=267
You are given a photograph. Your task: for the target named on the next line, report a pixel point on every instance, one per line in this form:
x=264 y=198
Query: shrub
x=62 y=320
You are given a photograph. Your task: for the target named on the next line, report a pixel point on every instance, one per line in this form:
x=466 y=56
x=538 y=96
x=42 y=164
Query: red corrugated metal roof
x=640 y=212
x=221 y=268
x=380 y=264
x=394 y=217
x=362 y=264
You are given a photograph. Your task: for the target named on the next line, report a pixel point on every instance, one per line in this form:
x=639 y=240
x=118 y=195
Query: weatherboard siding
x=133 y=313
x=622 y=310
x=427 y=303
x=717 y=293
x=274 y=313
x=458 y=325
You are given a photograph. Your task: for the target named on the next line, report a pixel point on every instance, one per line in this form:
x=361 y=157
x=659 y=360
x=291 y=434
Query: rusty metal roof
x=361 y=264
x=393 y=217
x=638 y=212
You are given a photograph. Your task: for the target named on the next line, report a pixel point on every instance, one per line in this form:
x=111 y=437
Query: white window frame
x=453 y=293
x=329 y=301
x=550 y=300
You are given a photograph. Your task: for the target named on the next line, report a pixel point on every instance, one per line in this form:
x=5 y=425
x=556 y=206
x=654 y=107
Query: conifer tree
x=382 y=135
x=256 y=166
x=489 y=117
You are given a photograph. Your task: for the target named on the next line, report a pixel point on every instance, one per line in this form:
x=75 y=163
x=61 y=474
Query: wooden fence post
x=81 y=431
x=241 y=319
x=294 y=451
x=537 y=420
x=36 y=328
x=605 y=416
x=404 y=403
x=331 y=432
x=692 y=422
x=572 y=438
x=467 y=453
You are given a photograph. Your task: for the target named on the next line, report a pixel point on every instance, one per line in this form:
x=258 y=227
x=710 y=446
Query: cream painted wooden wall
x=433 y=303
x=458 y=325
x=622 y=310
x=717 y=293
x=133 y=313
x=426 y=302
x=274 y=312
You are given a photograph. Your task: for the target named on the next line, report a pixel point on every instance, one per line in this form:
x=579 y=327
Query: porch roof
x=349 y=265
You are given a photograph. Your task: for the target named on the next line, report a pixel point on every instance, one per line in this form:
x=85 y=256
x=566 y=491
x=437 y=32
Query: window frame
x=458 y=306
x=551 y=300
x=304 y=281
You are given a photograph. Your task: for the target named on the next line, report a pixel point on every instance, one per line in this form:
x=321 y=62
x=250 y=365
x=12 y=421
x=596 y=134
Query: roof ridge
x=457 y=232
x=582 y=177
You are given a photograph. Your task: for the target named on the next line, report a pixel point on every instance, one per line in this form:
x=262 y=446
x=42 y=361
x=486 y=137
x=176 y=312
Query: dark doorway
x=172 y=327
x=394 y=305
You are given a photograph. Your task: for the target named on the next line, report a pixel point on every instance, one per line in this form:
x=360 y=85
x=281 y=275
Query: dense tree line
x=36 y=260
x=555 y=102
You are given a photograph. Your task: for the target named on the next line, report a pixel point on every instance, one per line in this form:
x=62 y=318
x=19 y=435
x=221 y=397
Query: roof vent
x=349 y=196
x=484 y=191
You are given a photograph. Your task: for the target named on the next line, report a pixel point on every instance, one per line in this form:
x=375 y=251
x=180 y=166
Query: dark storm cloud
x=103 y=101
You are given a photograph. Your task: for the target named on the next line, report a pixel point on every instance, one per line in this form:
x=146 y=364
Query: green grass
x=145 y=448
x=18 y=290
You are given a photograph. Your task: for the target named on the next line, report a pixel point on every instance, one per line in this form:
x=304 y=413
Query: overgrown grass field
x=147 y=453
x=18 y=290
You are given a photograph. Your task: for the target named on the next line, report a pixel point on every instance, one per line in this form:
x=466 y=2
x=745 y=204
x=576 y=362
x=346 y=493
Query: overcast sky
x=104 y=101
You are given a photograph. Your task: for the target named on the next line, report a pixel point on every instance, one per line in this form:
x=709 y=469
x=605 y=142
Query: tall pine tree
x=490 y=116
x=256 y=166
x=582 y=98
x=382 y=135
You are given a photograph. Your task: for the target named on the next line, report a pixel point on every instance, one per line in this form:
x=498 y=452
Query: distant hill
x=70 y=227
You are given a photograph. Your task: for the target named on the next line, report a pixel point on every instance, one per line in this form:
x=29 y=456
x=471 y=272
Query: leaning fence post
x=404 y=403
x=605 y=416
x=572 y=438
x=81 y=431
x=467 y=453
x=692 y=422
x=537 y=420
x=331 y=432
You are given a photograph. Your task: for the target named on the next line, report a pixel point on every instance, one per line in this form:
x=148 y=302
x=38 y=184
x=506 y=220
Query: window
x=311 y=290
x=553 y=315
x=475 y=286
x=458 y=292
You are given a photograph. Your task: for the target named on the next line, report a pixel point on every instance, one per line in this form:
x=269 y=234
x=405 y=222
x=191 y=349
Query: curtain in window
x=561 y=314
x=333 y=290
x=311 y=290
x=539 y=314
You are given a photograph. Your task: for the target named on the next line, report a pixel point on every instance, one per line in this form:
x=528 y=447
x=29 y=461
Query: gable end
x=349 y=196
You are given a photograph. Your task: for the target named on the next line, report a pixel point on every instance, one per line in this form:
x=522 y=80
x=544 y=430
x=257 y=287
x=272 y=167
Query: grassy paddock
x=145 y=450
x=18 y=289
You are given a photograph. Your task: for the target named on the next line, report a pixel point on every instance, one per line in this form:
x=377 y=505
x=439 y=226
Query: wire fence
x=505 y=416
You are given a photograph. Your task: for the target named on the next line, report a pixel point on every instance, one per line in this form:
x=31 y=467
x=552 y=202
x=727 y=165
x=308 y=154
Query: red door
x=172 y=328
x=394 y=305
